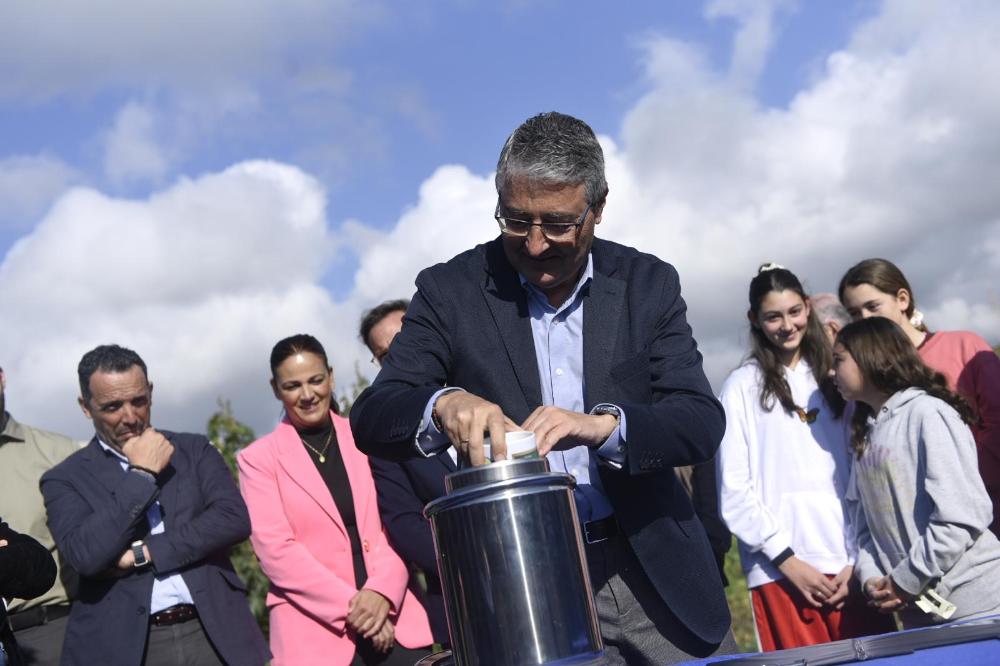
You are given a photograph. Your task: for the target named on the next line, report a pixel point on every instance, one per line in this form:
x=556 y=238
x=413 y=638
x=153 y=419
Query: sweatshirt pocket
x=816 y=524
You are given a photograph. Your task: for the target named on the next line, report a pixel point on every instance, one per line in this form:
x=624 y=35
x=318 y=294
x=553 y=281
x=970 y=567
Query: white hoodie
x=781 y=480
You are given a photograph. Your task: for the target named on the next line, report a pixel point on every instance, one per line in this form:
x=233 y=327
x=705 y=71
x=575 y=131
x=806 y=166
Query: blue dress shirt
x=558 y=336
x=168 y=589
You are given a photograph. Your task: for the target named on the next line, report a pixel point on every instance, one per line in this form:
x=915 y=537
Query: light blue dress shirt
x=168 y=589
x=558 y=336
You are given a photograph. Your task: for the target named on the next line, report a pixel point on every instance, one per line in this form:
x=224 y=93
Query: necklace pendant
x=322 y=458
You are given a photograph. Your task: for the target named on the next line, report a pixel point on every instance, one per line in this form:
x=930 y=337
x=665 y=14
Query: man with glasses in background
x=585 y=343
x=380 y=325
x=404 y=487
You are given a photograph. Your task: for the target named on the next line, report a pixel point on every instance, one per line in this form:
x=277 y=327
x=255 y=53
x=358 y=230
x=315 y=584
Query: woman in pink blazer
x=338 y=591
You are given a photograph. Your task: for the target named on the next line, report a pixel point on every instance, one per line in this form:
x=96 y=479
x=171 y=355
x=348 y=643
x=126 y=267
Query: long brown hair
x=890 y=363
x=884 y=276
x=815 y=346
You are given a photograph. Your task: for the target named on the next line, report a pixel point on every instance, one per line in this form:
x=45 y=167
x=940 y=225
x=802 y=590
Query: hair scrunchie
x=769 y=266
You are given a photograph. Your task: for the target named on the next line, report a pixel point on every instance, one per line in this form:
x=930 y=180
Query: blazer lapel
x=445 y=459
x=602 y=310
x=102 y=465
x=169 y=485
x=509 y=306
x=294 y=459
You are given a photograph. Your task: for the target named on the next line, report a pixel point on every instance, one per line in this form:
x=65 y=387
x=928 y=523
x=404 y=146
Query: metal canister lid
x=498 y=471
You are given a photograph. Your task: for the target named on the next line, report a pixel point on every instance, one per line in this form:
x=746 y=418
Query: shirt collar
x=108 y=449
x=585 y=277
x=12 y=430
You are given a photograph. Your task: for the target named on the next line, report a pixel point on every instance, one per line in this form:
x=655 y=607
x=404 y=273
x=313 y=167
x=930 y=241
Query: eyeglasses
x=554 y=231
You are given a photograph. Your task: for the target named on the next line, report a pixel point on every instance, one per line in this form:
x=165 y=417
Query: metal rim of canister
x=528 y=484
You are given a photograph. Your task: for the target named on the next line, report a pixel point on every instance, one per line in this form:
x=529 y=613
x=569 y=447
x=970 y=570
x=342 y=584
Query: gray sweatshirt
x=926 y=515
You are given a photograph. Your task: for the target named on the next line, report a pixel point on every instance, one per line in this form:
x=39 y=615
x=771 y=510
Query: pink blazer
x=302 y=545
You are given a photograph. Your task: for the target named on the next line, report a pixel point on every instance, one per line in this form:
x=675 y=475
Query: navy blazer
x=468 y=326
x=95 y=510
x=403 y=489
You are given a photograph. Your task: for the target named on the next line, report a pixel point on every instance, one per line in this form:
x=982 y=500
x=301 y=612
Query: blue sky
x=421 y=84
x=197 y=180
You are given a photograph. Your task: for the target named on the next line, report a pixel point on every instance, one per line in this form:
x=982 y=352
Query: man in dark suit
x=404 y=487
x=584 y=342
x=147 y=518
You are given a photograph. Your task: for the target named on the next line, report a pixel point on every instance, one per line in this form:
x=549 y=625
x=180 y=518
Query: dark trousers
x=636 y=625
x=42 y=644
x=182 y=644
x=366 y=655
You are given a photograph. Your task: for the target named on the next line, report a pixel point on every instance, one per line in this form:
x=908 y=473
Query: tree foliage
x=230 y=436
x=360 y=384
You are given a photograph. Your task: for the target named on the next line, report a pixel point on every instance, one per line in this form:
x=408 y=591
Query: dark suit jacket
x=468 y=326
x=95 y=510
x=404 y=488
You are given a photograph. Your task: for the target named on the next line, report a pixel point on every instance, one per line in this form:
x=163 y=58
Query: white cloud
x=28 y=186
x=181 y=46
x=891 y=151
x=132 y=151
x=454 y=213
x=201 y=279
x=754 y=37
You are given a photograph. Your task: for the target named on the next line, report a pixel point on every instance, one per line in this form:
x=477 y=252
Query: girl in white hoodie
x=783 y=470
x=924 y=545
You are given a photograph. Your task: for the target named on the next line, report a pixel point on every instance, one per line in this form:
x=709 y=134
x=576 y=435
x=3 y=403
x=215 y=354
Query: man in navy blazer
x=404 y=487
x=147 y=518
x=585 y=342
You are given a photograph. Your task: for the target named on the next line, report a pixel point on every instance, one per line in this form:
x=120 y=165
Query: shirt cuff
x=614 y=450
x=906 y=576
x=776 y=545
x=429 y=440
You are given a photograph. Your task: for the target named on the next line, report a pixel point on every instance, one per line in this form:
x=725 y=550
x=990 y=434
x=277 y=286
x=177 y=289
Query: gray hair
x=829 y=308
x=556 y=149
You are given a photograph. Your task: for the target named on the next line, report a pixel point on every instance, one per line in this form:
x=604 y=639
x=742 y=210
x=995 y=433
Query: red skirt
x=784 y=619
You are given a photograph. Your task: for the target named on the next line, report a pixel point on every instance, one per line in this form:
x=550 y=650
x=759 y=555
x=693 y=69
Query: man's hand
x=366 y=612
x=465 y=417
x=384 y=640
x=127 y=559
x=150 y=450
x=557 y=428
x=884 y=595
x=814 y=587
x=843 y=582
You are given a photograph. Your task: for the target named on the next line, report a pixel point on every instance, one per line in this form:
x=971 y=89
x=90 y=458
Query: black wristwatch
x=608 y=409
x=139 y=555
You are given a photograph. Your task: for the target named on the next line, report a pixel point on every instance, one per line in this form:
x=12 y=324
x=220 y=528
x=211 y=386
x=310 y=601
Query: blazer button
x=364 y=544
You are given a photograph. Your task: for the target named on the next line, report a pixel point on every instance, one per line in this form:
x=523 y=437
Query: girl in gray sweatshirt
x=922 y=512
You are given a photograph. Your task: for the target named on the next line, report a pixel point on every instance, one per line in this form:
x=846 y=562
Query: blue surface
x=980 y=652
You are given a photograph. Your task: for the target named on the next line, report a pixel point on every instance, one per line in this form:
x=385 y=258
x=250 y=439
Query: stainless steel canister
x=513 y=568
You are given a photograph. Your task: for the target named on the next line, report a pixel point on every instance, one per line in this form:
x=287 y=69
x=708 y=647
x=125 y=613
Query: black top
x=26 y=566
x=334 y=474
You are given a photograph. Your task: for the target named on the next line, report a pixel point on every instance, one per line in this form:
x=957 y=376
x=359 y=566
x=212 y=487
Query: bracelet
x=142 y=470
x=782 y=556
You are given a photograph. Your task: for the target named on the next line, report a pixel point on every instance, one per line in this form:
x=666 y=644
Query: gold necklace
x=321 y=454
